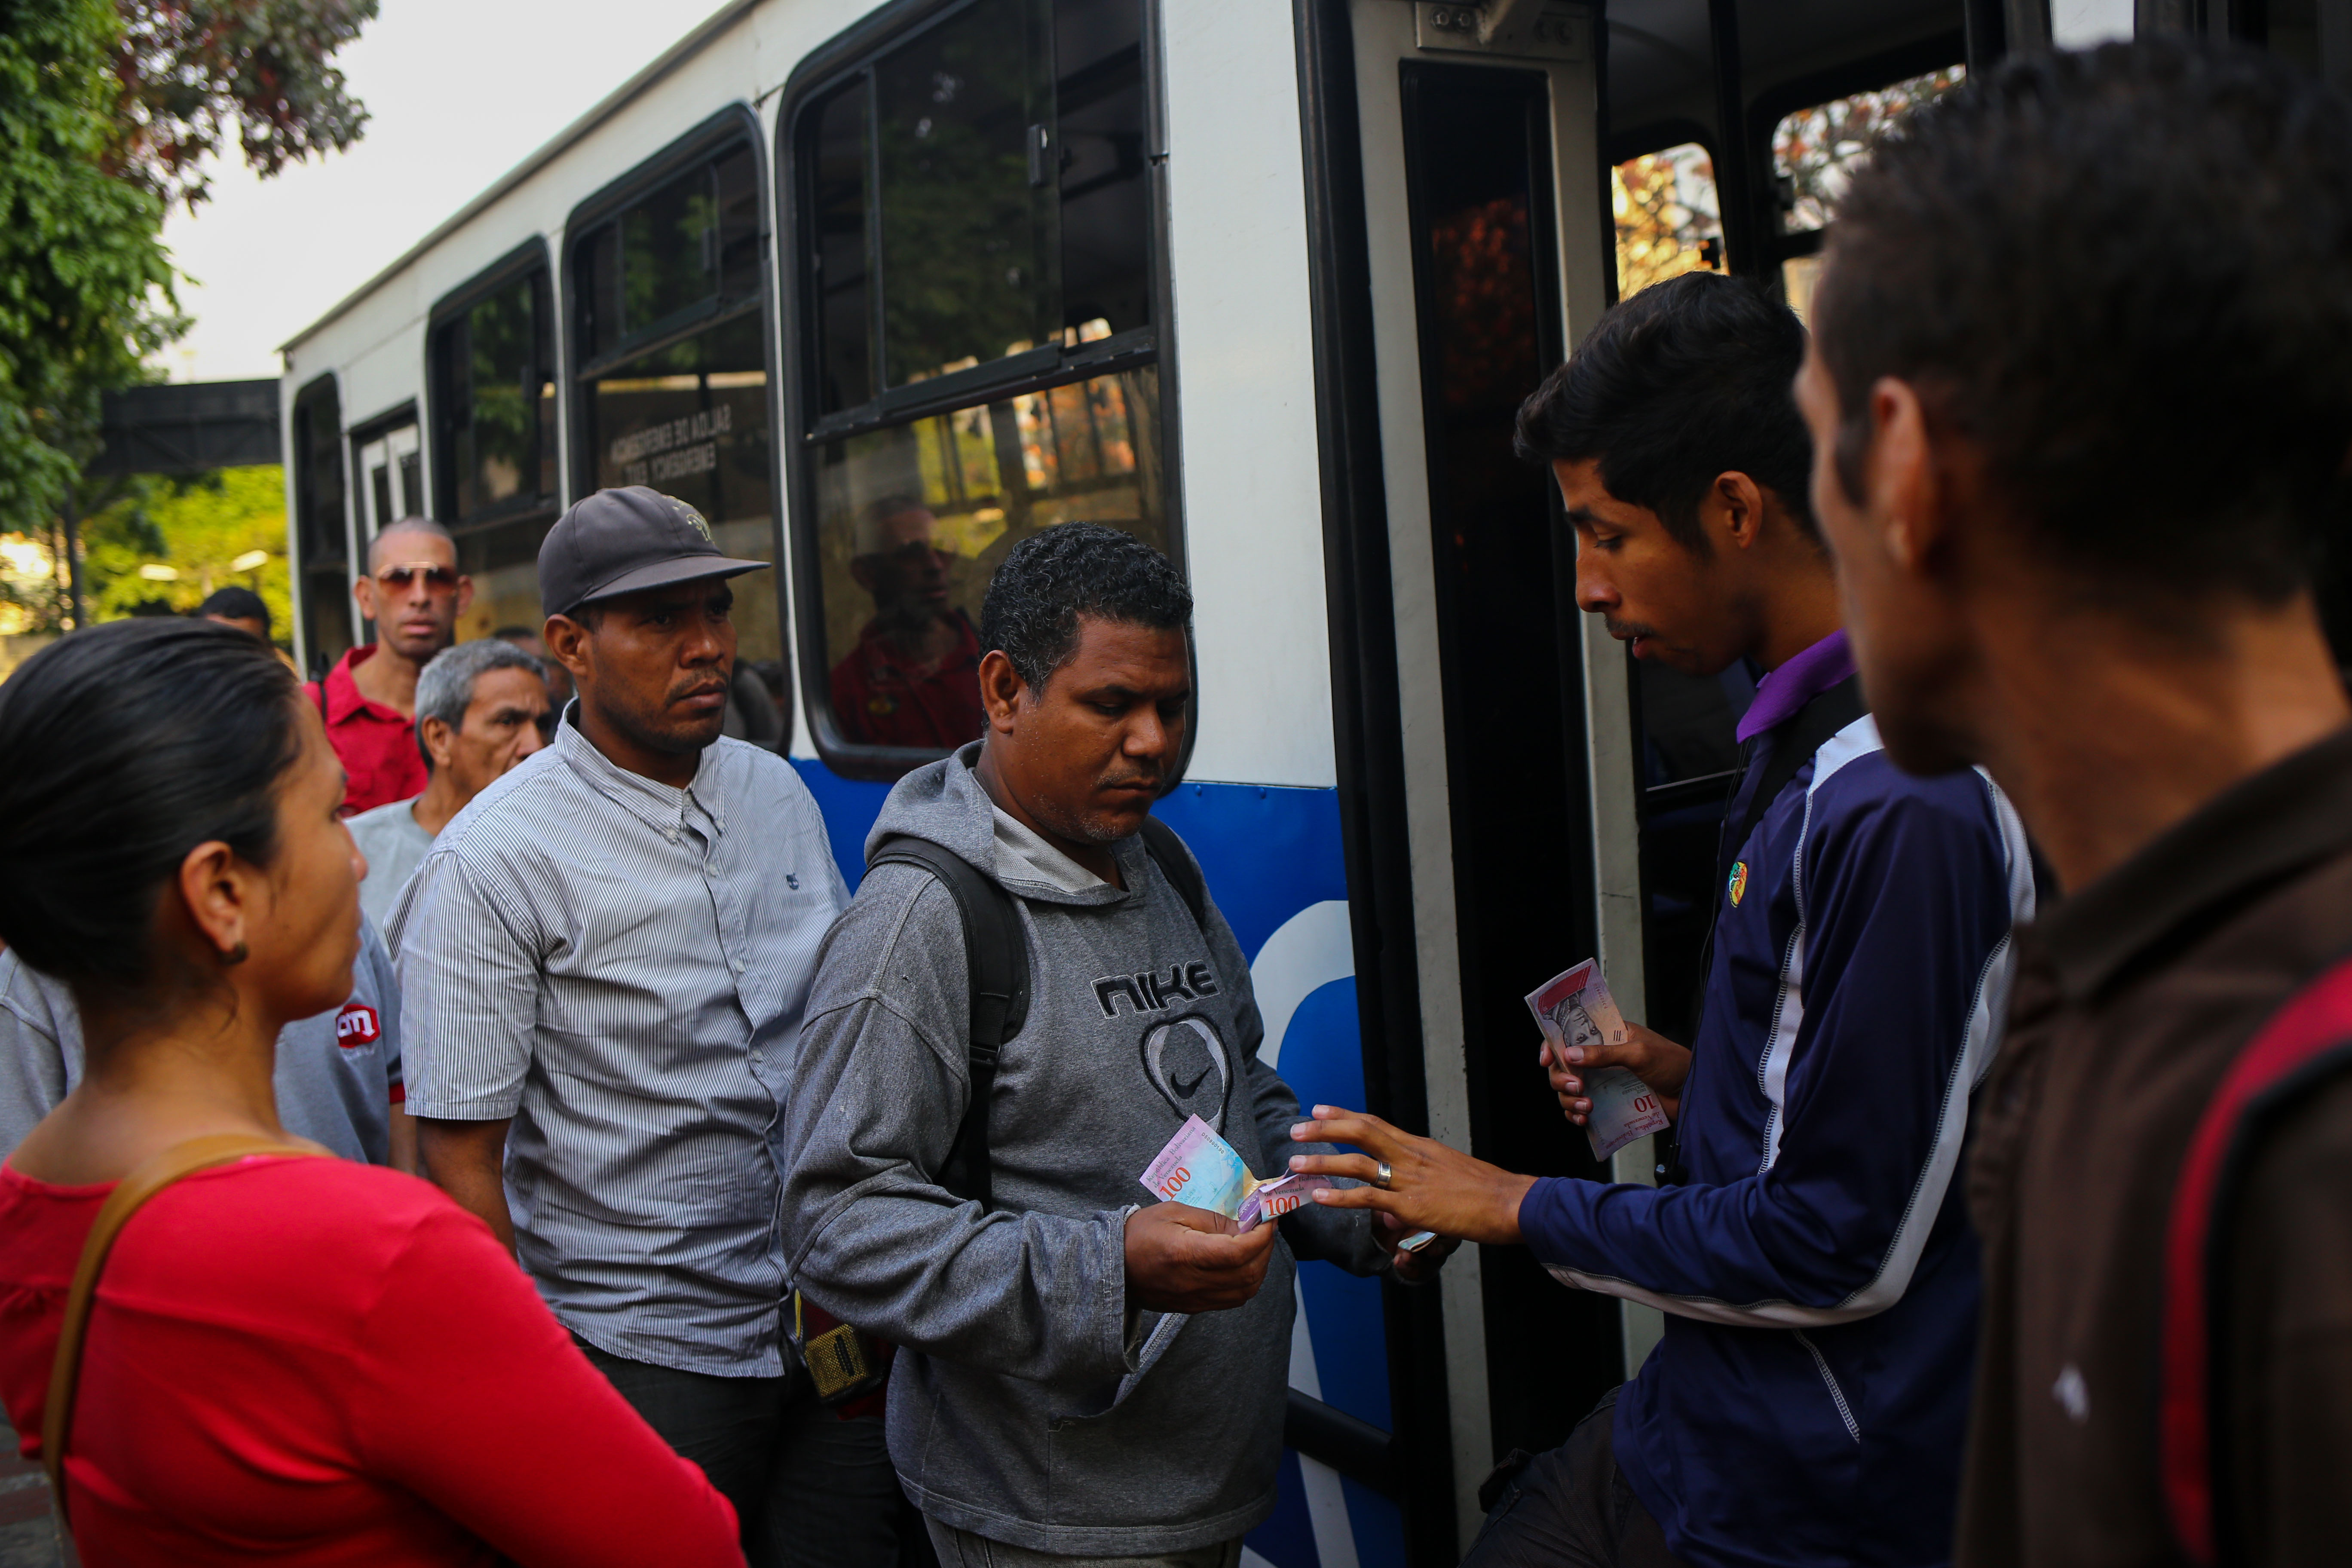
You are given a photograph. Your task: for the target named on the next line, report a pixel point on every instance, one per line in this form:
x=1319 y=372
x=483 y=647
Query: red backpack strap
x=2307 y=1040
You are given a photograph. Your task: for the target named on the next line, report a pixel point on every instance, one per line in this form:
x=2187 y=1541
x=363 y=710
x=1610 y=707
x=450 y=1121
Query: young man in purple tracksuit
x=1813 y=1258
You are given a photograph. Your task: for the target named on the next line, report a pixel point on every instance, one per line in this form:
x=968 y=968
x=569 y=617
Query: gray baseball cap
x=625 y=540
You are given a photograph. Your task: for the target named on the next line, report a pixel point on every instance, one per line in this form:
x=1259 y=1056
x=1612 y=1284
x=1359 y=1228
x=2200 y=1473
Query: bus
x=1264 y=284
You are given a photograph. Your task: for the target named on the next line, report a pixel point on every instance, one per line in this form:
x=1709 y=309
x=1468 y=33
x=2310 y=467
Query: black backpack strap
x=1175 y=863
x=1799 y=738
x=997 y=952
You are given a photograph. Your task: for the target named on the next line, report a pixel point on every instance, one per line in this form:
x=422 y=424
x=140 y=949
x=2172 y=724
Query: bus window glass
x=1668 y=219
x=1105 y=185
x=497 y=401
x=913 y=520
x=964 y=193
x=598 y=260
x=691 y=421
x=665 y=252
x=844 y=322
x=737 y=196
x=321 y=525
x=1815 y=151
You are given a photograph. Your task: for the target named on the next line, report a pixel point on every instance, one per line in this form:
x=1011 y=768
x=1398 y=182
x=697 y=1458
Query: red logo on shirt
x=355 y=1026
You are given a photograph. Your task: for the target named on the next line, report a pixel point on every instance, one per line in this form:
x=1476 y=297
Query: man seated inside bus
x=913 y=679
x=1812 y=1251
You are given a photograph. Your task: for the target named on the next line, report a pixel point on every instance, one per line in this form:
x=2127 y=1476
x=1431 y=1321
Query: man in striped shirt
x=604 y=961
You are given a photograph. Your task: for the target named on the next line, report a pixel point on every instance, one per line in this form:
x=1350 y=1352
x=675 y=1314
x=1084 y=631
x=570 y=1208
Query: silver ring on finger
x=1383 y=1177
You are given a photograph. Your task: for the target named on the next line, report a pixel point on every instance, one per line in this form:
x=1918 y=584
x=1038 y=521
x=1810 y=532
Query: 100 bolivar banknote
x=1574 y=1008
x=1199 y=1168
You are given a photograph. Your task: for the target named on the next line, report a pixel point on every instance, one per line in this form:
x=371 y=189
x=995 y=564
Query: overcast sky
x=457 y=91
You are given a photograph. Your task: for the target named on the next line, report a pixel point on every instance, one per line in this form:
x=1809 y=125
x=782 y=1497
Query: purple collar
x=1804 y=678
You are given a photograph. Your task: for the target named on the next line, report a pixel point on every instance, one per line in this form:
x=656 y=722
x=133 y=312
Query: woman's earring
x=236 y=955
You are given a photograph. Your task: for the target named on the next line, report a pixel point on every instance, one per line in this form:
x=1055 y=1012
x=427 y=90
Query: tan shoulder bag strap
x=180 y=1160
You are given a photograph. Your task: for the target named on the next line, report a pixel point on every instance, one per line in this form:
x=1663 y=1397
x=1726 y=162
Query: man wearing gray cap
x=602 y=965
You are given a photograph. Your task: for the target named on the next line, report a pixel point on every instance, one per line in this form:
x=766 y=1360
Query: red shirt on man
x=377 y=745
x=881 y=699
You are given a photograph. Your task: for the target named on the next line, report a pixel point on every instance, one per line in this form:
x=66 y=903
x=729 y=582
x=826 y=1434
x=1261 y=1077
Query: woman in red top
x=291 y=1359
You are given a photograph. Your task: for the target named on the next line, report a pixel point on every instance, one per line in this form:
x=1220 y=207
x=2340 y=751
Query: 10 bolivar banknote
x=1574 y=1008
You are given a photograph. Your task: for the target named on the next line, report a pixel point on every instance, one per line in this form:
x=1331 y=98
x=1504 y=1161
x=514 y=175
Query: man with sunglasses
x=413 y=594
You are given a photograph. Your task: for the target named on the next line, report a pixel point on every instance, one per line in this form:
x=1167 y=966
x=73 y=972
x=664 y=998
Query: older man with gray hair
x=481 y=708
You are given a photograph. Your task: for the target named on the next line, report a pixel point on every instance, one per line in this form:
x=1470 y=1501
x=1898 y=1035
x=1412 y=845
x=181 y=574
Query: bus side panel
x=1272 y=857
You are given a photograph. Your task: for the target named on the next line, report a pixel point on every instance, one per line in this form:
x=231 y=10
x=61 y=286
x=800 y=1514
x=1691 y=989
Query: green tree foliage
x=110 y=110
x=195 y=530
x=84 y=286
x=192 y=73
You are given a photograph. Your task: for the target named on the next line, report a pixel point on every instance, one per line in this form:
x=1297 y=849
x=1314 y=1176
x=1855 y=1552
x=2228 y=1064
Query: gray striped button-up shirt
x=621 y=966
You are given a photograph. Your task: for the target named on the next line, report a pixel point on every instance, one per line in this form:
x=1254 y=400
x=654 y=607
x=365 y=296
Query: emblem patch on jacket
x=1736 y=888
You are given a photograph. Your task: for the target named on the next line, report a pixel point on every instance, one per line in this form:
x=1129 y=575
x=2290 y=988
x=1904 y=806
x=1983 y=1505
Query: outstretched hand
x=1185 y=1259
x=1431 y=1186
x=1656 y=1060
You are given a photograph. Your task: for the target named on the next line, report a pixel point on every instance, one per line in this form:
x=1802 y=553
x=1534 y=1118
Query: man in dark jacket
x=2082 y=407
x=1807 y=1403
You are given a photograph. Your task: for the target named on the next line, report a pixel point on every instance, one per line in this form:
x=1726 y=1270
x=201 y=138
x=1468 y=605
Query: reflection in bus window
x=1815 y=150
x=845 y=326
x=1005 y=146
x=913 y=520
x=966 y=219
x=668 y=255
x=1668 y=219
x=1007 y=157
x=691 y=420
x=494 y=364
x=1105 y=191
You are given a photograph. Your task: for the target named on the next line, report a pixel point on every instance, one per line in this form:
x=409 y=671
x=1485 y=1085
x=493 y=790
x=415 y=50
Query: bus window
x=494 y=369
x=391 y=469
x=1105 y=192
x=963 y=226
x=321 y=526
x=673 y=376
x=1668 y=219
x=844 y=327
x=1814 y=150
x=976 y=282
x=913 y=520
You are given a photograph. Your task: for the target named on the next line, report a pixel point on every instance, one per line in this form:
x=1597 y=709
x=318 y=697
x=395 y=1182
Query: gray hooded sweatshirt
x=1028 y=1404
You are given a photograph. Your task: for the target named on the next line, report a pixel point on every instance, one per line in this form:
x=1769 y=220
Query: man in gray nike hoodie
x=1081 y=1375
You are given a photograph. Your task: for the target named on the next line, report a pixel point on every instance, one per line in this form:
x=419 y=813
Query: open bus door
x=1516 y=793
x=1460 y=242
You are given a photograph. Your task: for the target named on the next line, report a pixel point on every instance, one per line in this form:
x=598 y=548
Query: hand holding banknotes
x=1649 y=1055
x=1429 y=1186
x=1185 y=1259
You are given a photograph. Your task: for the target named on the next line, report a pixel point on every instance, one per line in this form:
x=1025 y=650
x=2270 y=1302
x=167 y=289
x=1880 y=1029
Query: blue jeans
x=810 y=1490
